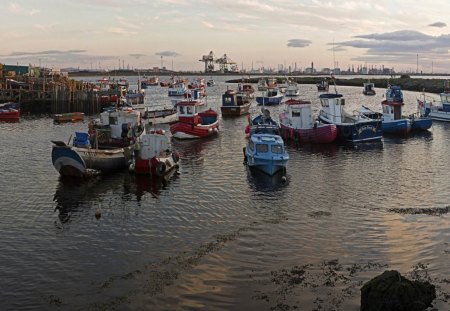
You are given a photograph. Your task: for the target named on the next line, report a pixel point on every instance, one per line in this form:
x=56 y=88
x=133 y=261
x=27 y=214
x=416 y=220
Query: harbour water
x=219 y=236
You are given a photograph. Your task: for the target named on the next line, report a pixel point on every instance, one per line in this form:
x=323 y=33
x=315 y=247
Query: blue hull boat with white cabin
x=351 y=128
x=439 y=111
x=273 y=97
x=266 y=153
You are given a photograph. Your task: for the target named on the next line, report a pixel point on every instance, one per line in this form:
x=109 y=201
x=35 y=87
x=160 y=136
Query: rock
x=391 y=291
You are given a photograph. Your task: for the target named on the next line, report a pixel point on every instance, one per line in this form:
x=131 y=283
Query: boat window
x=342 y=101
x=277 y=149
x=181 y=109
x=295 y=113
x=324 y=103
x=189 y=110
x=261 y=148
x=113 y=120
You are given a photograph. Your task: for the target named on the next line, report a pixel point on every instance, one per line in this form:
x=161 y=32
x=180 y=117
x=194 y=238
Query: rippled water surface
x=219 y=236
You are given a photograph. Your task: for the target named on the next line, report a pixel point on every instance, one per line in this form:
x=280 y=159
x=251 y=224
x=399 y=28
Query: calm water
x=218 y=236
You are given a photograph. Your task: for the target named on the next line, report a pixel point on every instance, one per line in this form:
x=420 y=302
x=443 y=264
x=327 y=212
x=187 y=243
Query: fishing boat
x=292 y=89
x=106 y=147
x=193 y=124
x=177 y=89
x=262 y=123
x=247 y=89
x=262 y=84
x=322 y=86
x=210 y=82
x=234 y=103
x=10 y=112
x=266 y=153
x=297 y=123
x=369 y=88
x=156 y=113
x=350 y=128
x=153 y=155
x=393 y=120
x=272 y=97
x=150 y=81
x=437 y=111
x=68 y=117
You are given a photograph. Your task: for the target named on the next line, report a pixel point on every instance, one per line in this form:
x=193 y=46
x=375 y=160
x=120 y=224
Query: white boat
x=107 y=146
x=292 y=89
x=154 y=155
x=262 y=85
x=177 y=89
x=157 y=114
x=437 y=111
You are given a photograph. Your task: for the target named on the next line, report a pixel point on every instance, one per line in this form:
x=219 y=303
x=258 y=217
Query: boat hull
x=160 y=116
x=10 y=115
x=268 y=101
x=398 y=127
x=268 y=166
x=364 y=131
x=68 y=117
x=75 y=161
x=322 y=134
x=186 y=130
x=421 y=124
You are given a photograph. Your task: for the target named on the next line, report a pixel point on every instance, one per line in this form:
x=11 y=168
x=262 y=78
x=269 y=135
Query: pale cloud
x=34 y=12
x=13 y=7
x=43 y=27
x=298 y=43
x=137 y=55
x=123 y=21
x=167 y=54
x=120 y=31
x=438 y=25
x=208 y=25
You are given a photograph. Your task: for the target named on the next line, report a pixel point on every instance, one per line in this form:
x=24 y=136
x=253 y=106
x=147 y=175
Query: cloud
x=14 y=8
x=401 y=47
x=43 y=53
x=43 y=27
x=121 y=31
x=137 y=55
x=438 y=25
x=167 y=54
x=34 y=12
x=298 y=43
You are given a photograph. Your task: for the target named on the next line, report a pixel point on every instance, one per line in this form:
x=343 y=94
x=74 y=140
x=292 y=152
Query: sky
x=406 y=35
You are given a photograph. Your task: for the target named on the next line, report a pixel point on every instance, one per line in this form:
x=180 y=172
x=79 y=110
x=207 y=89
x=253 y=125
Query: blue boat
x=421 y=123
x=393 y=120
x=436 y=111
x=273 y=97
x=266 y=152
x=351 y=128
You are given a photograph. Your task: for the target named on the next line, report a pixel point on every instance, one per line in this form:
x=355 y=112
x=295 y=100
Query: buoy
x=283 y=179
x=98 y=213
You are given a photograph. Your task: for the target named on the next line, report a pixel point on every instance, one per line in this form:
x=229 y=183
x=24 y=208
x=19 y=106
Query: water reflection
x=262 y=182
x=74 y=197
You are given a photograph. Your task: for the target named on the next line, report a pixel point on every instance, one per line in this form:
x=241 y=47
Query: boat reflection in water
x=262 y=182
x=81 y=200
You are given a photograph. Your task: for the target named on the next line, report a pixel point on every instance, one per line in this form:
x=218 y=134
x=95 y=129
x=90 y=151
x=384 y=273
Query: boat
x=150 y=81
x=322 y=86
x=292 y=89
x=272 y=97
x=262 y=85
x=262 y=123
x=266 y=153
x=439 y=111
x=297 y=123
x=283 y=85
x=157 y=114
x=177 y=89
x=234 y=103
x=10 y=112
x=106 y=147
x=153 y=155
x=248 y=89
x=68 y=117
x=350 y=128
x=210 y=82
x=369 y=88
x=193 y=124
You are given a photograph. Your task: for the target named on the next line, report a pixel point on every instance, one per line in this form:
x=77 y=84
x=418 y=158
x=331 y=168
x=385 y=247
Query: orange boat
x=68 y=117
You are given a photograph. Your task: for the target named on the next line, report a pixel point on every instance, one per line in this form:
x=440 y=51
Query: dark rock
x=391 y=291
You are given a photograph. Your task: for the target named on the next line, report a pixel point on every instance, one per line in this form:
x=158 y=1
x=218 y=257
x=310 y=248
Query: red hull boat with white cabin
x=193 y=124
x=9 y=114
x=296 y=123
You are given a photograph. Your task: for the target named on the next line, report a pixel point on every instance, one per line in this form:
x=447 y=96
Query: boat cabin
x=392 y=110
x=298 y=114
x=333 y=107
x=119 y=122
x=445 y=101
x=272 y=91
x=394 y=93
x=154 y=144
x=266 y=144
x=187 y=111
x=369 y=88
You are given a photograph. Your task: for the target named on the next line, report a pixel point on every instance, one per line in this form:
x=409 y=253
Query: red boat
x=194 y=124
x=297 y=124
x=9 y=114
